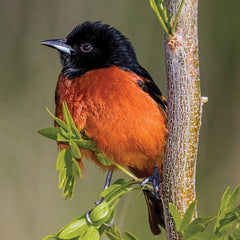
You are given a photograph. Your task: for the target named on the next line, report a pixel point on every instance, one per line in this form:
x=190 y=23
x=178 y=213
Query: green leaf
x=68 y=187
x=130 y=236
x=84 y=135
x=118 y=192
x=230 y=217
x=91 y=234
x=99 y=213
x=69 y=169
x=108 y=220
x=76 y=228
x=64 y=133
x=233 y=199
x=120 y=181
x=110 y=216
x=58 y=120
x=175 y=215
x=67 y=117
x=188 y=216
x=86 y=144
x=226 y=214
x=103 y=159
x=50 y=132
x=154 y=6
x=68 y=159
x=75 y=150
x=202 y=222
x=61 y=160
x=196 y=226
x=158 y=8
x=62 y=177
x=113 y=233
x=65 y=159
x=110 y=189
x=76 y=168
x=236 y=233
x=202 y=236
x=62 y=138
x=70 y=121
x=50 y=237
x=221 y=213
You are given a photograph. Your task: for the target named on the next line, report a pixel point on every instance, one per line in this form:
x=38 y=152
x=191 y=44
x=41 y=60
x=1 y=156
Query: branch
x=184 y=110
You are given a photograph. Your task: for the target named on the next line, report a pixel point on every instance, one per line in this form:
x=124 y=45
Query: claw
x=88 y=217
x=98 y=202
x=109 y=224
x=106 y=185
x=154 y=180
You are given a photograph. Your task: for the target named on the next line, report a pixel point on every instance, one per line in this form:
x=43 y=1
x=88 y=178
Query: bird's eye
x=86 y=47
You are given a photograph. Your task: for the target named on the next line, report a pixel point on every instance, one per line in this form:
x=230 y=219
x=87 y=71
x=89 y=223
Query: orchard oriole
x=115 y=101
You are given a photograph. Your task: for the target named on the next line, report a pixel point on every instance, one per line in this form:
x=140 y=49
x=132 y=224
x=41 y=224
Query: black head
x=93 y=45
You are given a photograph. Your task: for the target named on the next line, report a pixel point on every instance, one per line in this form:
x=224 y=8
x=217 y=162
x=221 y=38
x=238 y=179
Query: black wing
x=148 y=85
x=152 y=89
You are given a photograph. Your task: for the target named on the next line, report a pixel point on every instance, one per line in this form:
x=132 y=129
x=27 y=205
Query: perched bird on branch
x=115 y=100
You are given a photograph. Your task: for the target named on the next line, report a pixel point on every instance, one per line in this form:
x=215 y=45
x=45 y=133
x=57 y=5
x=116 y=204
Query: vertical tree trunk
x=184 y=111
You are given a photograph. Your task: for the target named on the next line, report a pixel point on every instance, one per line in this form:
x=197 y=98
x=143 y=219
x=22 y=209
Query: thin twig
x=136 y=179
x=177 y=16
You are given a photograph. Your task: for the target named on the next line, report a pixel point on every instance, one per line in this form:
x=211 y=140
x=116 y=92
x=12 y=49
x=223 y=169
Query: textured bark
x=184 y=111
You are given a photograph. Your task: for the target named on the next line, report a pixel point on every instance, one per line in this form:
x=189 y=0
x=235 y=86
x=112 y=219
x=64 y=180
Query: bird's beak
x=59 y=44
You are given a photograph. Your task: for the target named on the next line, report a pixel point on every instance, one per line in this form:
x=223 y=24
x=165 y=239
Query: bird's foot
x=154 y=180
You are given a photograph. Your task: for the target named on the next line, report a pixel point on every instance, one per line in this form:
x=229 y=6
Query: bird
x=117 y=103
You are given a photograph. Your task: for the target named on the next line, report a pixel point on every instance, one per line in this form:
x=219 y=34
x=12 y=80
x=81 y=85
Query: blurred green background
x=31 y=206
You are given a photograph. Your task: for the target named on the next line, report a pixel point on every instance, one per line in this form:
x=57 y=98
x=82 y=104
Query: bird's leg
x=154 y=180
x=106 y=185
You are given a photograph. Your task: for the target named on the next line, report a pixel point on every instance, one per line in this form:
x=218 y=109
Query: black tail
x=155 y=212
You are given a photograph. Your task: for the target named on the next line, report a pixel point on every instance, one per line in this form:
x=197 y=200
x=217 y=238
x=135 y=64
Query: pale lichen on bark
x=184 y=111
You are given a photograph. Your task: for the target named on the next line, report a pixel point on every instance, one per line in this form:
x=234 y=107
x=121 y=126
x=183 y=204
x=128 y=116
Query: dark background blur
x=31 y=206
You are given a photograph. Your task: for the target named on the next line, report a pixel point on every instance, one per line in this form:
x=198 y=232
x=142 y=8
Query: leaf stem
x=128 y=173
x=157 y=11
x=163 y=24
x=177 y=16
